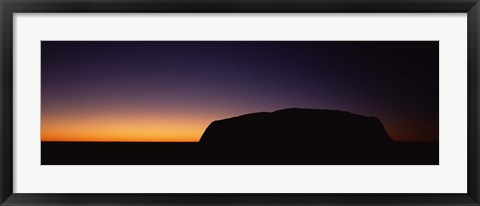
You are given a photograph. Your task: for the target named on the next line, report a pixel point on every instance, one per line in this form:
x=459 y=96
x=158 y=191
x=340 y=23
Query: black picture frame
x=9 y=7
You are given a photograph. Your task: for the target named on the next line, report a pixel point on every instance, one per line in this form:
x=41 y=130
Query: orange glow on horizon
x=121 y=124
x=117 y=125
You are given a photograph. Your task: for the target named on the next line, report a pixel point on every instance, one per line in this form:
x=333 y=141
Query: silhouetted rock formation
x=284 y=137
x=297 y=127
x=301 y=136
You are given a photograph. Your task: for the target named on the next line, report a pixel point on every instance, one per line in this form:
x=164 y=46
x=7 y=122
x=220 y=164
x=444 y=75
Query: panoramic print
x=239 y=103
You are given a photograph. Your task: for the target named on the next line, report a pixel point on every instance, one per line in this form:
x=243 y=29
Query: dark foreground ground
x=145 y=153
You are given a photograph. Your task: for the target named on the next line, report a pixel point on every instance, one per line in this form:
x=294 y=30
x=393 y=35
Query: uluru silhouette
x=297 y=126
x=304 y=136
x=291 y=136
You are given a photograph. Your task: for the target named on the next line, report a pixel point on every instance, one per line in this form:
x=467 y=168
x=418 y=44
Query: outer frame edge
x=8 y=198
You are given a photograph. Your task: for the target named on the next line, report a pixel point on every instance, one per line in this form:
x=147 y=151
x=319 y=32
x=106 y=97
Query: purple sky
x=395 y=81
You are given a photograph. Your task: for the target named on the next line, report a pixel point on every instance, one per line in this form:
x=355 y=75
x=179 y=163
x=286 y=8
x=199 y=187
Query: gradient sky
x=172 y=90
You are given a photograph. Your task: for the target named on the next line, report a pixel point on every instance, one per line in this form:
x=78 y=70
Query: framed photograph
x=264 y=102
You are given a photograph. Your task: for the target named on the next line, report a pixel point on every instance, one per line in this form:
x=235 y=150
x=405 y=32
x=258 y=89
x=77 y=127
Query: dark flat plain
x=155 y=153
